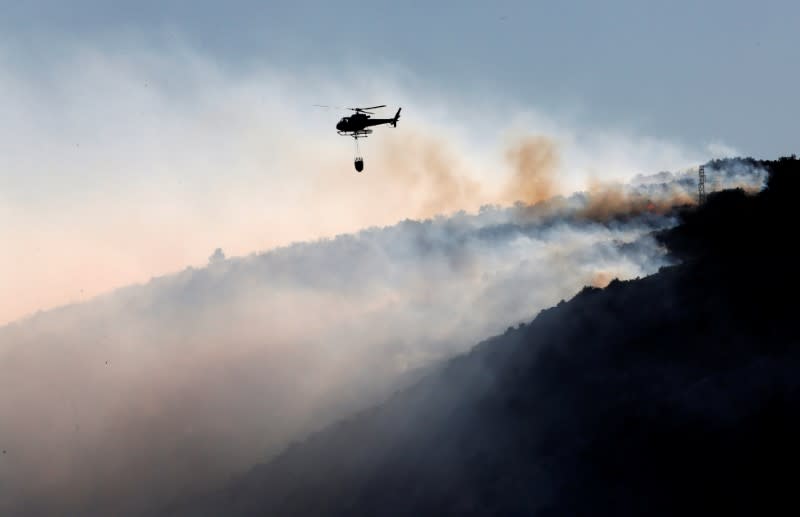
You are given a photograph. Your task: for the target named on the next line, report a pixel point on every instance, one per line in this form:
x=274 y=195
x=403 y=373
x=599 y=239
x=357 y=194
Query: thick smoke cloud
x=535 y=161
x=157 y=391
x=120 y=164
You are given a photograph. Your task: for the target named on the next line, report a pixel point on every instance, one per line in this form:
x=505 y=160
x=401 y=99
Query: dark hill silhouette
x=673 y=394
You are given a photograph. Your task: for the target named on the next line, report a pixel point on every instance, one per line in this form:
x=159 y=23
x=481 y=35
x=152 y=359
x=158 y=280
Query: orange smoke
x=534 y=160
x=608 y=200
x=602 y=278
x=430 y=176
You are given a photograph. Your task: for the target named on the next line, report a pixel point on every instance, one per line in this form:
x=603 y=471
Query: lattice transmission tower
x=701 y=185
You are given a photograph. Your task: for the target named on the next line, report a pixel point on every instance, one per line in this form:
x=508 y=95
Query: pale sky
x=694 y=71
x=136 y=137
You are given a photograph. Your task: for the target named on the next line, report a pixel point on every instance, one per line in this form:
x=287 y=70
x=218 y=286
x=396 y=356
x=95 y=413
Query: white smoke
x=156 y=391
x=115 y=169
x=163 y=388
x=120 y=164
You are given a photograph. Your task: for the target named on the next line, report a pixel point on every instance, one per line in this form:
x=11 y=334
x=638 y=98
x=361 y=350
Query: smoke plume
x=158 y=391
x=118 y=165
x=119 y=403
x=534 y=163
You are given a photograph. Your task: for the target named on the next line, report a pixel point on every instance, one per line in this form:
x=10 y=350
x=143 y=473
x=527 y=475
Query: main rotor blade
x=326 y=106
x=370 y=108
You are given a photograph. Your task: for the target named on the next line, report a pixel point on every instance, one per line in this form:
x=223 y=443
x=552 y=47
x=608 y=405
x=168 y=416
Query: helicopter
x=356 y=126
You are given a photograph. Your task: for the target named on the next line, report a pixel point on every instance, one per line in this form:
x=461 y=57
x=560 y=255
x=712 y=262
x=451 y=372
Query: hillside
x=671 y=394
x=156 y=392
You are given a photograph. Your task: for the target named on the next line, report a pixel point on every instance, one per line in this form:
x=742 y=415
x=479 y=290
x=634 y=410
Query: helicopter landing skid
x=364 y=133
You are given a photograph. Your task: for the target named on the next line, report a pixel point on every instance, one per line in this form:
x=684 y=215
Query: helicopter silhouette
x=356 y=126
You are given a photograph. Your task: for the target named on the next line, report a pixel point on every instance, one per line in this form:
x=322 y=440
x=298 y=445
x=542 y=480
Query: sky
x=137 y=137
x=696 y=71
